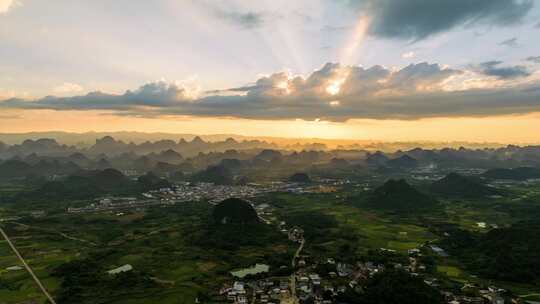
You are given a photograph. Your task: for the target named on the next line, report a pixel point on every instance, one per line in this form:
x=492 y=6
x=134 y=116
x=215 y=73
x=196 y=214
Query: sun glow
x=285 y=87
x=335 y=103
x=334 y=87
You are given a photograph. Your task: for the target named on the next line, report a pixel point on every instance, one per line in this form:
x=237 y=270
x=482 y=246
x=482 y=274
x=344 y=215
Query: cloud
x=68 y=87
x=5 y=5
x=535 y=59
x=247 y=20
x=331 y=28
x=408 y=55
x=512 y=42
x=493 y=68
x=537 y=25
x=5 y=94
x=155 y=94
x=334 y=92
x=418 y=19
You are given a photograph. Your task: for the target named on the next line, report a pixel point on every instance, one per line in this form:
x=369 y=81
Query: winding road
x=293 y=275
x=38 y=282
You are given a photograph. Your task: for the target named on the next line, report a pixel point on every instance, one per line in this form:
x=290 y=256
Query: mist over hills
x=416 y=182
x=87 y=139
x=232 y=161
x=229 y=159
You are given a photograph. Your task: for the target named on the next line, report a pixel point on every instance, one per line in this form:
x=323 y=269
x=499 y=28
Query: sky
x=441 y=70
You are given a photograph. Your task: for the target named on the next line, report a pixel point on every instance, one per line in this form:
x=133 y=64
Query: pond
x=258 y=268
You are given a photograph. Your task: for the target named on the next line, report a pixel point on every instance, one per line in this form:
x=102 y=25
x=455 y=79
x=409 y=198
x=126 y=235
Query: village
x=183 y=192
x=322 y=281
x=313 y=279
x=195 y=192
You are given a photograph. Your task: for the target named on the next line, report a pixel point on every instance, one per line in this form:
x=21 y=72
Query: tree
x=399 y=287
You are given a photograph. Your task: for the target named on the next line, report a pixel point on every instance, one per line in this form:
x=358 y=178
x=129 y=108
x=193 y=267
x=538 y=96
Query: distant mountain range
x=88 y=138
x=91 y=184
x=235 y=162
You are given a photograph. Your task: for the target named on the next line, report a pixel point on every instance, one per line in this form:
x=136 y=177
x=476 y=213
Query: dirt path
x=57 y=232
x=38 y=282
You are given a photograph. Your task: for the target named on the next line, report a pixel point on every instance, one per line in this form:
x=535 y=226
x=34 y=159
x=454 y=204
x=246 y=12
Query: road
x=297 y=253
x=267 y=222
x=57 y=232
x=38 y=282
x=293 y=275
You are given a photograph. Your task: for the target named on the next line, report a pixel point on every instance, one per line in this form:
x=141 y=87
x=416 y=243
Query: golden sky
x=501 y=129
x=403 y=71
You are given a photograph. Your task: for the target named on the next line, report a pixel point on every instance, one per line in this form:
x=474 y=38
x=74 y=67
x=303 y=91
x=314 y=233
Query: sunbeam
x=350 y=51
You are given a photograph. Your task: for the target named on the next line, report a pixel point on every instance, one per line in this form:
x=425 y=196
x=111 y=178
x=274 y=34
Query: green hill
x=219 y=175
x=300 y=178
x=73 y=187
x=394 y=286
x=520 y=173
x=461 y=186
x=233 y=224
x=110 y=179
x=84 y=185
x=17 y=169
x=506 y=254
x=150 y=181
x=234 y=211
x=398 y=195
x=403 y=162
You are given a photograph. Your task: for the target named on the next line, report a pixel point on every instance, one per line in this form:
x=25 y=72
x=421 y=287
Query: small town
x=195 y=192
x=323 y=280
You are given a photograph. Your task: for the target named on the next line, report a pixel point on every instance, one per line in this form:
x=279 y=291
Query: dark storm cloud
x=418 y=19
x=415 y=91
x=494 y=68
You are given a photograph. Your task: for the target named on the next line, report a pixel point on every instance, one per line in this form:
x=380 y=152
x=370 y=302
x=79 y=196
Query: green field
x=167 y=244
x=157 y=243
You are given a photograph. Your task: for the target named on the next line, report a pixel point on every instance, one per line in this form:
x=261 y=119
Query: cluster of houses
x=321 y=282
x=185 y=192
x=266 y=291
x=119 y=203
x=236 y=293
x=489 y=295
x=169 y=196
